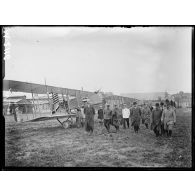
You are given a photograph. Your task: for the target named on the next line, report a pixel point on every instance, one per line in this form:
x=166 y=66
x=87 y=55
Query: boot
x=170 y=133
x=117 y=129
x=154 y=131
x=91 y=132
x=108 y=129
x=162 y=132
x=146 y=126
x=135 y=129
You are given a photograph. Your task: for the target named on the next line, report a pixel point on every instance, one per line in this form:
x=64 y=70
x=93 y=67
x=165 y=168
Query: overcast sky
x=121 y=60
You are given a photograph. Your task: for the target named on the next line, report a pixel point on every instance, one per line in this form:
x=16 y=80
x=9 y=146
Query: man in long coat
x=82 y=116
x=78 y=117
x=101 y=116
x=135 y=117
x=146 y=114
x=156 y=120
x=115 y=117
x=107 y=117
x=89 y=112
x=120 y=114
x=162 y=107
x=169 y=119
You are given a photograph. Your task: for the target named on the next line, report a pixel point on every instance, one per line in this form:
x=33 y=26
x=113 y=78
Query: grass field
x=47 y=144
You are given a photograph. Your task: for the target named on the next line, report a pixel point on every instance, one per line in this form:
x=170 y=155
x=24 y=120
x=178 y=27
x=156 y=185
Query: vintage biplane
x=58 y=104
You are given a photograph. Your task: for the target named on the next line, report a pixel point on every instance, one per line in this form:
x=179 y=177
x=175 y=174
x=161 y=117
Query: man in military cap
x=135 y=117
x=100 y=115
x=115 y=117
x=89 y=112
x=168 y=119
x=107 y=117
x=156 y=120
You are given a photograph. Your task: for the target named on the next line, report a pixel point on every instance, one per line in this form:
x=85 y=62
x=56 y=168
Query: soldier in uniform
x=156 y=120
x=115 y=117
x=146 y=114
x=89 y=112
x=82 y=116
x=120 y=114
x=101 y=116
x=162 y=125
x=107 y=117
x=168 y=118
x=135 y=117
x=78 y=117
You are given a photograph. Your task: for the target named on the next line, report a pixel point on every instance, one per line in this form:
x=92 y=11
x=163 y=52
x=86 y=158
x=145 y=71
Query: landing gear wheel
x=66 y=124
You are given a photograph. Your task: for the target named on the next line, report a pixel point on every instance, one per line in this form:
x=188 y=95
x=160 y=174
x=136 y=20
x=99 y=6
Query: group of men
x=120 y=116
x=163 y=118
x=160 y=119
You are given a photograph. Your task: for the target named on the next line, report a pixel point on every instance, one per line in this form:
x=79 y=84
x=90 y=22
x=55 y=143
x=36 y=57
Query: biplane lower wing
x=44 y=118
x=66 y=123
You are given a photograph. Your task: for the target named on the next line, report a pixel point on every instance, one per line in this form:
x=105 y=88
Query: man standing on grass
x=162 y=125
x=156 y=120
x=126 y=114
x=120 y=114
x=82 y=116
x=89 y=112
x=107 y=117
x=146 y=114
x=115 y=117
x=135 y=117
x=101 y=116
x=169 y=119
x=78 y=117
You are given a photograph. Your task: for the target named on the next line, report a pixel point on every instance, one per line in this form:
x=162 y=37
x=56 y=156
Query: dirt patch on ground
x=48 y=144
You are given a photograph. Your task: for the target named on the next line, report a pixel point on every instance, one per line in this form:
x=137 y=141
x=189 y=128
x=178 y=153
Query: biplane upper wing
x=19 y=86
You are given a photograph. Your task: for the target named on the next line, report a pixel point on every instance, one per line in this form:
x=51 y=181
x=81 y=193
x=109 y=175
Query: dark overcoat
x=135 y=116
x=89 y=118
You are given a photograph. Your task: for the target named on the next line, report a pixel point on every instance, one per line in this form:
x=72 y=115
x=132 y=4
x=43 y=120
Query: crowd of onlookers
x=160 y=118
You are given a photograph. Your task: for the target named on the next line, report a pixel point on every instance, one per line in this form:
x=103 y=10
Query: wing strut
x=47 y=95
x=34 y=112
x=68 y=102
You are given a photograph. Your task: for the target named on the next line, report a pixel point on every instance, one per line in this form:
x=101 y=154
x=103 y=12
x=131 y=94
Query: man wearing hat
x=146 y=115
x=115 y=117
x=15 y=109
x=135 y=117
x=120 y=115
x=82 y=116
x=168 y=119
x=100 y=115
x=82 y=111
x=126 y=114
x=162 y=107
x=107 y=117
x=78 y=117
x=89 y=112
x=156 y=120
